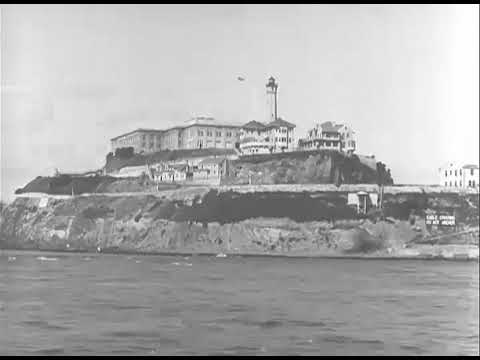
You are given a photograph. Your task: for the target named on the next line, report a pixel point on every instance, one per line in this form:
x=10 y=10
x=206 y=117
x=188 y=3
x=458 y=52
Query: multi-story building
x=206 y=132
x=455 y=175
x=258 y=138
x=142 y=140
x=281 y=134
x=197 y=133
x=329 y=135
x=254 y=139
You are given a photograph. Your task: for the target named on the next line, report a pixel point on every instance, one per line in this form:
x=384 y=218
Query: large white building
x=199 y=132
x=329 y=135
x=258 y=138
x=459 y=176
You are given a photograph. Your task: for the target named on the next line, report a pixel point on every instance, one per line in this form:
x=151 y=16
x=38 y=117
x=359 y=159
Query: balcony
x=323 y=136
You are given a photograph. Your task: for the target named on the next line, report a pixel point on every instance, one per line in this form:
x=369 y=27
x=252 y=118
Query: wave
x=43 y=258
x=181 y=264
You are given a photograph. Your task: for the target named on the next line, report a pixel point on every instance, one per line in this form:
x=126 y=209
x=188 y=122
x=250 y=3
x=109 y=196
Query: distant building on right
x=459 y=176
x=329 y=135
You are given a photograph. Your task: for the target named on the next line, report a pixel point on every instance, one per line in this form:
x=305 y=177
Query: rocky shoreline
x=268 y=222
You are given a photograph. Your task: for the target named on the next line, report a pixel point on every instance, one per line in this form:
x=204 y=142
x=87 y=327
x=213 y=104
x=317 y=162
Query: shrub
x=61 y=180
x=125 y=153
x=96 y=212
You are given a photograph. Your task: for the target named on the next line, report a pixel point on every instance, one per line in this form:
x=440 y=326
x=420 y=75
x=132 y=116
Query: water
x=82 y=304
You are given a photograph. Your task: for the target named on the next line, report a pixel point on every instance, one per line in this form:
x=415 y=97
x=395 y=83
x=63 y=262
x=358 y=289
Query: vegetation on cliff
x=77 y=185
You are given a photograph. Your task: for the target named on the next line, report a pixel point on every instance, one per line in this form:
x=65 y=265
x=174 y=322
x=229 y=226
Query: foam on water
x=44 y=258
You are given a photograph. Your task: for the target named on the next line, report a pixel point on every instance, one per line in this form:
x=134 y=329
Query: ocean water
x=99 y=304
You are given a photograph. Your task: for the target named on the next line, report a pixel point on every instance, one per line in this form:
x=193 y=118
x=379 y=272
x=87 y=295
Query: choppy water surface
x=56 y=304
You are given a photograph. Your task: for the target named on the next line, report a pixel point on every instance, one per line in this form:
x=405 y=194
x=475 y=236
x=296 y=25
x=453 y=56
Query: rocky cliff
x=238 y=220
x=306 y=167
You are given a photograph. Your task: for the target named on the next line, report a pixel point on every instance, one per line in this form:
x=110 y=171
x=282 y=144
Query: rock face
x=301 y=167
x=211 y=222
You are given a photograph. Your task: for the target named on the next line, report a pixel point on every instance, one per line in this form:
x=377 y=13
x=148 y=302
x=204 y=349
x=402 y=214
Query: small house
x=216 y=167
x=363 y=201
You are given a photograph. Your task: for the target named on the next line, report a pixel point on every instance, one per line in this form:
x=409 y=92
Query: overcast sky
x=405 y=77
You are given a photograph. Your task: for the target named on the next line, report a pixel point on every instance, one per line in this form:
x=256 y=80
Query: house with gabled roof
x=329 y=135
x=259 y=138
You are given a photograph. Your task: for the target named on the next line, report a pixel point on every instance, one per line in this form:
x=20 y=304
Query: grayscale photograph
x=239 y=179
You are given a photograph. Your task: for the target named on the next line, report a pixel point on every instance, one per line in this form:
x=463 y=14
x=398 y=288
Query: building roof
x=212 y=161
x=135 y=131
x=330 y=126
x=254 y=125
x=469 y=166
x=280 y=122
x=213 y=123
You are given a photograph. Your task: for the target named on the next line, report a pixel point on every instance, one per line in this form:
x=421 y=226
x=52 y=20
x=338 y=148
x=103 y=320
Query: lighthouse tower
x=272 y=87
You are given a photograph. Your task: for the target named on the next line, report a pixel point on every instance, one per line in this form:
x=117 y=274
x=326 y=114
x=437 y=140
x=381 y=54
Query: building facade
x=206 y=132
x=142 y=140
x=459 y=176
x=196 y=133
x=259 y=138
x=329 y=135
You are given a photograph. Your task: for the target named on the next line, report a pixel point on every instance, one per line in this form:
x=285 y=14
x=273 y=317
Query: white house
x=216 y=167
x=459 y=176
x=329 y=135
x=258 y=138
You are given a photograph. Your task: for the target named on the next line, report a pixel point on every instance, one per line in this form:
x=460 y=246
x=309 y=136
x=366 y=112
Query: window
x=218 y=133
x=469 y=183
x=200 y=133
x=450 y=172
x=446 y=183
x=229 y=134
x=455 y=172
x=209 y=133
x=460 y=183
x=473 y=183
x=446 y=173
x=471 y=173
x=450 y=183
x=455 y=184
x=460 y=172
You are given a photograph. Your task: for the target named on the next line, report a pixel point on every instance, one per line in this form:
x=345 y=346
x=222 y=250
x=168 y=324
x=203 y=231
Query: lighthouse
x=272 y=87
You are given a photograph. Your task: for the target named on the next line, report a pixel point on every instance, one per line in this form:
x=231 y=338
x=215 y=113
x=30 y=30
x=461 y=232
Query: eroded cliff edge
x=295 y=220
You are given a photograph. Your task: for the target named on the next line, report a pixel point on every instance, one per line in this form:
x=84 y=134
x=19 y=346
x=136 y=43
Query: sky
x=404 y=77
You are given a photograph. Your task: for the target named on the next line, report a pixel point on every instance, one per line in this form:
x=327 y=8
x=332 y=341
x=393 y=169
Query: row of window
x=151 y=137
x=217 y=133
x=471 y=183
x=451 y=172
